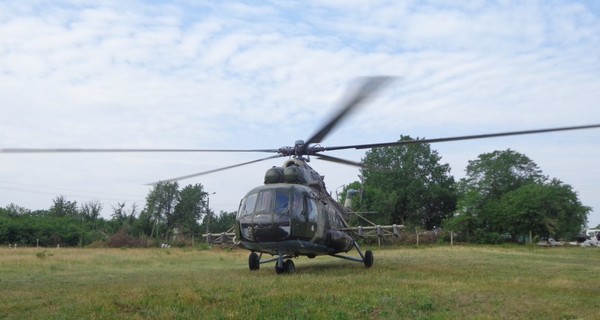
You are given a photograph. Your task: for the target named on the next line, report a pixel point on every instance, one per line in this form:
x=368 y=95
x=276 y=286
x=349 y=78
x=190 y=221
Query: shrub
x=122 y=239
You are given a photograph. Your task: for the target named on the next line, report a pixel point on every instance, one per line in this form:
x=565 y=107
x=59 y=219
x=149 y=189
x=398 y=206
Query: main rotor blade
x=216 y=170
x=338 y=160
x=368 y=88
x=458 y=138
x=116 y=150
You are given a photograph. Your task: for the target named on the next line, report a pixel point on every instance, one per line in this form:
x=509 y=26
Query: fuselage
x=291 y=218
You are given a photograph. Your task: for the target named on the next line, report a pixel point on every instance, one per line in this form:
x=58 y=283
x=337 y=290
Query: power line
x=56 y=188
x=58 y=191
x=70 y=195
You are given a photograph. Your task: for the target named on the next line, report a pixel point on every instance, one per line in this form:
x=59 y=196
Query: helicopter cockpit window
x=247 y=205
x=264 y=201
x=297 y=207
x=282 y=202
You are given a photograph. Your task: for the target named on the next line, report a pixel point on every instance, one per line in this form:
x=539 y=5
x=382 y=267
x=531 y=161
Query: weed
x=43 y=254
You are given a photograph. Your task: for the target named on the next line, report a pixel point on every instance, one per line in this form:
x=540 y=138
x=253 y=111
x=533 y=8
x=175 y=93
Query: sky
x=245 y=75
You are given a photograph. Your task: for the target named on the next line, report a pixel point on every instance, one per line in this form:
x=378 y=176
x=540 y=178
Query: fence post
x=417 y=232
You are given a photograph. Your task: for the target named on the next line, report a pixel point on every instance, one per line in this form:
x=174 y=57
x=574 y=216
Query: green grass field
x=481 y=282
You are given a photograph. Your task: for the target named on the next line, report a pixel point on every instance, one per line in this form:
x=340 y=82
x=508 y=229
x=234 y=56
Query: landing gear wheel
x=279 y=270
x=253 y=262
x=368 y=259
x=288 y=266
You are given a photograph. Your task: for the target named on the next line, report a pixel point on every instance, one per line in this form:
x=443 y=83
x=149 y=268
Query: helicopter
x=292 y=214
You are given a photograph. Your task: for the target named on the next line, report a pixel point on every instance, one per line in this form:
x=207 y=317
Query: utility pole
x=208 y=211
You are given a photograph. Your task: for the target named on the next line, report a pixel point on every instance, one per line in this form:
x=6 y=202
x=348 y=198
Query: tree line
x=504 y=196
x=171 y=215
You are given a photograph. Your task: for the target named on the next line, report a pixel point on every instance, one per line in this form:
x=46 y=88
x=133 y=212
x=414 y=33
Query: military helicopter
x=292 y=214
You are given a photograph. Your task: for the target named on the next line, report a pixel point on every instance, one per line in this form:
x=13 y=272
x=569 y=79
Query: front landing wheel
x=253 y=262
x=289 y=266
x=368 y=259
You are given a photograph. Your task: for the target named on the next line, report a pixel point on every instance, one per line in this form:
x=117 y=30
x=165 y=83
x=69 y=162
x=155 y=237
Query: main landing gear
x=254 y=262
x=366 y=258
x=287 y=267
x=283 y=265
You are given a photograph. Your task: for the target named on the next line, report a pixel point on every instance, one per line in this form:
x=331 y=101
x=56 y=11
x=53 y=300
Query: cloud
x=233 y=75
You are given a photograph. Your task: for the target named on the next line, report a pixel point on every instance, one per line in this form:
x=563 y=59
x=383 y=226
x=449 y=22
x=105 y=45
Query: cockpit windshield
x=282 y=202
x=264 y=201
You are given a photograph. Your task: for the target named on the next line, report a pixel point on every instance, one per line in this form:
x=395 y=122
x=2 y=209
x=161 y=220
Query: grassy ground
x=482 y=282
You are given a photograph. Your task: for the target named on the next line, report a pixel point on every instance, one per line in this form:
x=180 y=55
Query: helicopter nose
x=265 y=227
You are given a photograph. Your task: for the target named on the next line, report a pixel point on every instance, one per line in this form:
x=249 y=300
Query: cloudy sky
x=240 y=75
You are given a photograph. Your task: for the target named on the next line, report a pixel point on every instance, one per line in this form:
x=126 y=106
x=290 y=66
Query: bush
x=487 y=237
x=122 y=239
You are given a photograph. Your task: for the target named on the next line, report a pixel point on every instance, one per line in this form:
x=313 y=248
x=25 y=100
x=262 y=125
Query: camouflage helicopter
x=292 y=214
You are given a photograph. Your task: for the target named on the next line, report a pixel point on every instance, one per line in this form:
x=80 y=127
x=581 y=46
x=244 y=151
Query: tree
x=506 y=196
x=131 y=217
x=13 y=210
x=119 y=213
x=222 y=222
x=64 y=208
x=408 y=185
x=160 y=205
x=144 y=224
x=488 y=179
x=550 y=210
x=167 y=207
x=189 y=209
x=493 y=174
x=90 y=211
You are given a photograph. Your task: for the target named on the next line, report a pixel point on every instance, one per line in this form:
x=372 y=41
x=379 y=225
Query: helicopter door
x=304 y=216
